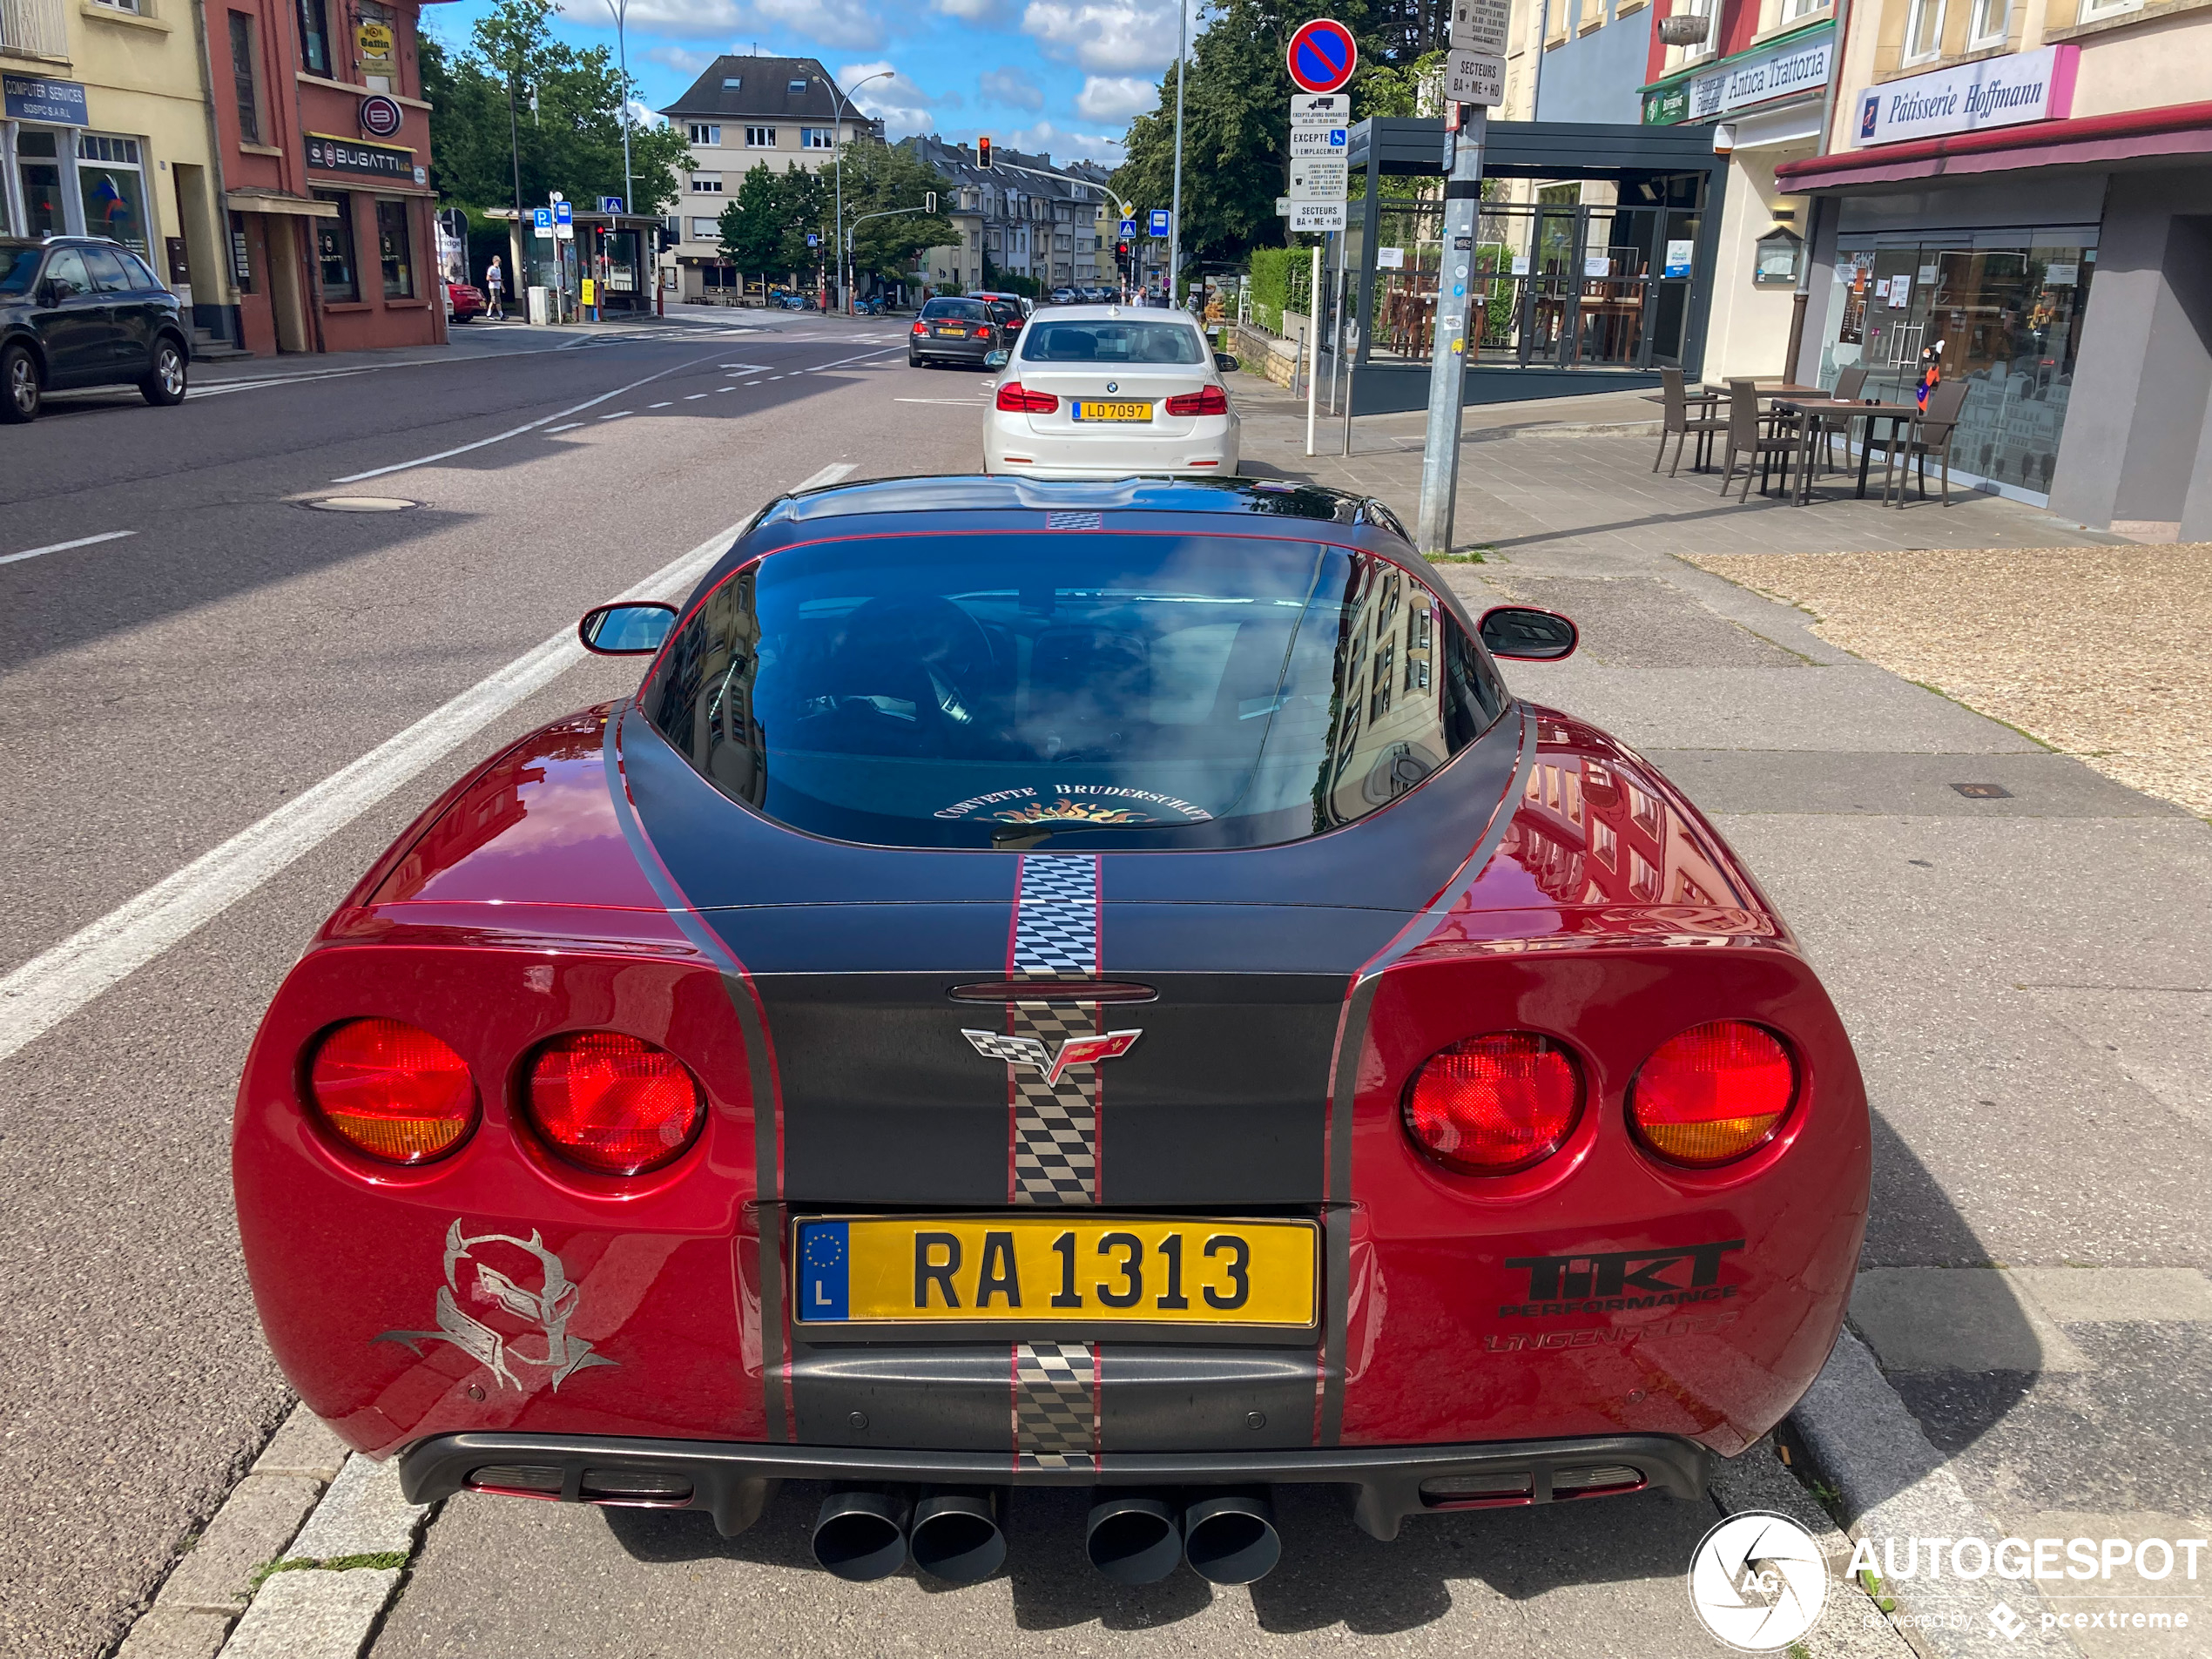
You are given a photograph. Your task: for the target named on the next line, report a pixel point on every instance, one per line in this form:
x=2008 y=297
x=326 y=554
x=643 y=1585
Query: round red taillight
x=1494 y=1104
x=391 y=1090
x=1713 y=1093
x=613 y=1102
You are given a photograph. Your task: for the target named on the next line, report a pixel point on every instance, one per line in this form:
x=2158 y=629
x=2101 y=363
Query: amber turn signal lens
x=1713 y=1093
x=391 y=1090
x=612 y=1103
x=1494 y=1104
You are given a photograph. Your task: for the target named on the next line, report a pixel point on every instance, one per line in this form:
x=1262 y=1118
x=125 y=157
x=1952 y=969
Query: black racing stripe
x=1185 y=1399
x=759 y=1068
x=1330 y=1430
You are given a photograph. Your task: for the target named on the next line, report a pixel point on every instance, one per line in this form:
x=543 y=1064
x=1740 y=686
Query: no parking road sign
x=1322 y=56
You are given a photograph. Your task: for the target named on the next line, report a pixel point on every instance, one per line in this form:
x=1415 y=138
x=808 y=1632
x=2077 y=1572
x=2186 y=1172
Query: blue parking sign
x=1159 y=221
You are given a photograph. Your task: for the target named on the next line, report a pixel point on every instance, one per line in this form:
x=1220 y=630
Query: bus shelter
x=1591 y=265
x=619 y=252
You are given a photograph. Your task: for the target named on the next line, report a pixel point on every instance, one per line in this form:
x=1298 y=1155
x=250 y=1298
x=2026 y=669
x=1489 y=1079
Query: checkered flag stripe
x=1056 y=919
x=1075 y=521
x=1056 y=1404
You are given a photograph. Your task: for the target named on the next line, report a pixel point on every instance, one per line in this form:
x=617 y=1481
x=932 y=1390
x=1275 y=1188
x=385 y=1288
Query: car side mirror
x=1225 y=362
x=1527 y=634
x=49 y=294
x=996 y=359
x=633 y=629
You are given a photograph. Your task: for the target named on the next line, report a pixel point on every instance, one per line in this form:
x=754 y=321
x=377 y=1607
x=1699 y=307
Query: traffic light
x=1121 y=254
x=982 y=152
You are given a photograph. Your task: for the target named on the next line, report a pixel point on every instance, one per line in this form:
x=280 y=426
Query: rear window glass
x=977 y=691
x=19 y=269
x=1112 y=342
x=972 y=309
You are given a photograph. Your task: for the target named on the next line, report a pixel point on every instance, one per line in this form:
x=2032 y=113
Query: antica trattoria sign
x=1993 y=92
x=328 y=154
x=1800 y=66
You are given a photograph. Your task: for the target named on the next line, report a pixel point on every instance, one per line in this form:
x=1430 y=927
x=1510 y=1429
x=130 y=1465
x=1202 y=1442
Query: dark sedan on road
x=80 y=311
x=955 y=331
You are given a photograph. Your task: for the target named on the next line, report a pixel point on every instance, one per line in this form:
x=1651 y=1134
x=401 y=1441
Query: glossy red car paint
x=1598 y=1291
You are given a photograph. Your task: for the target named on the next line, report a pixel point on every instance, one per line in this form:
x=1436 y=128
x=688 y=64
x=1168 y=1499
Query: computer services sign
x=1993 y=92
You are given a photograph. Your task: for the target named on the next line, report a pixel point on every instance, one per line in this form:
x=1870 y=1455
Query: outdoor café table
x=1820 y=409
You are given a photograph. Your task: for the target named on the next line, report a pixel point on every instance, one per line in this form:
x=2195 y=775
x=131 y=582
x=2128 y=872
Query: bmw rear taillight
x=391 y=1090
x=1207 y=400
x=921 y=327
x=612 y=1103
x=1016 y=399
x=1713 y=1093
x=1494 y=1104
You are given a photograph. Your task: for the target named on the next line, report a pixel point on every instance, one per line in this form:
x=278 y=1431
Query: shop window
x=244 y=83
x=394 y=250
x=706 y=132
x=334 y=248
x=38 y=165
x=1991 y=20
x=1923 y=31
x=314 y=38
x=111 y=179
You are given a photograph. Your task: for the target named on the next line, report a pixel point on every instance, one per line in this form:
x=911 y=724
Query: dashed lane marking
x=668 y=403
x=570 y=427
x=693 y=397
x=64 y=547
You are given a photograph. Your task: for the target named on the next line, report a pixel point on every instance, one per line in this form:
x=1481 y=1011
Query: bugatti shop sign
x=381 y=116
x=371 y=161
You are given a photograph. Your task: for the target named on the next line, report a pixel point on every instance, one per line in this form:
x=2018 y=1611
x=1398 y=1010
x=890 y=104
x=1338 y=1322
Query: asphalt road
x=166 y=689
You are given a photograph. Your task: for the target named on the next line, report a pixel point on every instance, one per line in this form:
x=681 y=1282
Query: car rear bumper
x=728 y=1478
x=966 y=351
x=1014 y=447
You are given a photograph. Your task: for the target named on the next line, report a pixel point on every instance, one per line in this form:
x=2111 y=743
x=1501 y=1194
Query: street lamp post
x=837 y=136
x=621 y=8
x=1175 y=210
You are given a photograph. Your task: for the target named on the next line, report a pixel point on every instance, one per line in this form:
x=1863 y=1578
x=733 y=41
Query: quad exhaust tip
x=955 y=1536
x=1134 y=1537
x=860 y=1534
x=1231 y=1538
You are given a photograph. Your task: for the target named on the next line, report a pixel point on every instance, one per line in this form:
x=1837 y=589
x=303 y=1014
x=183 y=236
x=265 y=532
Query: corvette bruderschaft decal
x=547 y=1310
x=1621 y=1281
x=1079 y=802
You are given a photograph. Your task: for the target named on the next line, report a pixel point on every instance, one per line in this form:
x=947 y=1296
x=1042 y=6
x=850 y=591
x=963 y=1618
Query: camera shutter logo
x=1758 y=1582
x=381 y=116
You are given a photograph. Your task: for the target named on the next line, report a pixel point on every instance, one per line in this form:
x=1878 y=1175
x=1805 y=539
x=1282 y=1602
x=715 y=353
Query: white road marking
x=617 y=414
x=693 y=397
x=725 y=389
x=958 y=402
x=64 y=547
x=57 y=982
x=668 y=403
x=517 y=432
x=570 y=427
x=832 y=474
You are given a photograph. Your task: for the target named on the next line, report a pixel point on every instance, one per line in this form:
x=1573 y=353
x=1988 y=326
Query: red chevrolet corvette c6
x=1084 y=984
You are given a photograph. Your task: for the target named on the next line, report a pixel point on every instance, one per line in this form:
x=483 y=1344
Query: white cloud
x=980 y=11
x=852 y=25
x=1105 y=36
x=904 y=107
x=1011 y=87
x=682 y=59
x=1062 y=146
x=1116 y=98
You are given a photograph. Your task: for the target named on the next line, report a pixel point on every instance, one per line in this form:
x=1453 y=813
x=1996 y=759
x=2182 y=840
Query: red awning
x=2089 y=140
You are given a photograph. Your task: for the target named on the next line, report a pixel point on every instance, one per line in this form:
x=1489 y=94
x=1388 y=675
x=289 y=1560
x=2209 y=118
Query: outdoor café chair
x=1930 y=431
x=1759 y=438
x=1678 y=423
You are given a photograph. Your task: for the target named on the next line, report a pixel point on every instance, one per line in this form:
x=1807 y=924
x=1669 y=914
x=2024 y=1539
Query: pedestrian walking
x=496 y=290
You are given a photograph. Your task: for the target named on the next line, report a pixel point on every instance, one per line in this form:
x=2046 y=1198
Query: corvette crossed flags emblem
x=1029 y=1051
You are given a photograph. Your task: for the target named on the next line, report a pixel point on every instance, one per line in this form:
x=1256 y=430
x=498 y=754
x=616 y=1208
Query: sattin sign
x=1322 y=56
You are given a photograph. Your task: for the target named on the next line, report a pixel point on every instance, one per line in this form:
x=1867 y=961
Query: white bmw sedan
x=1112 y=392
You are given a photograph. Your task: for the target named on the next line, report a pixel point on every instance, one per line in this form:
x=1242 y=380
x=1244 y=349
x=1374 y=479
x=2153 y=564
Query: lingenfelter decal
x=546 y=1309
x=1055 y=1405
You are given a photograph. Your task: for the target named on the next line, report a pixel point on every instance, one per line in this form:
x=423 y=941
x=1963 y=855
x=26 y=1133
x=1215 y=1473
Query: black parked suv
x=83 y=311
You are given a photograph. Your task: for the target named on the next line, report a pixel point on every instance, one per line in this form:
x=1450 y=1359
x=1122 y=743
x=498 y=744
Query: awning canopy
x=2137 y=138
x=276 y=202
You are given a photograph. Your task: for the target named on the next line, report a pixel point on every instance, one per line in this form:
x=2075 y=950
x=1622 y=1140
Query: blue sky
x=1061 y=75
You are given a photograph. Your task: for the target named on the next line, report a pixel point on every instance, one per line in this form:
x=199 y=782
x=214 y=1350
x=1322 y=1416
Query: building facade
x=785 y=111
x=1020 y=216
x=2027 y=183
x=105 y=131
x=325 y=157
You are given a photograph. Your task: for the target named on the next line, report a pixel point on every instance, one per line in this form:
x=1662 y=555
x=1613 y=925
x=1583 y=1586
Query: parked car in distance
x=955 y=331
x=1102 y=392
x=464 y=301
x=1065 y=296
x=78 y=311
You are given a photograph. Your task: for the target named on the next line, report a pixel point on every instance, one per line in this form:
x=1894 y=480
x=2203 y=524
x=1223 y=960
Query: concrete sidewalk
x=2028 y=978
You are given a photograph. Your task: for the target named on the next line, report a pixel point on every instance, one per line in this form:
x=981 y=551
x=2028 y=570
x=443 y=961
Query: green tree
x=569 y=109
x=765 y=229
x=1235 y=124
x=878 y=179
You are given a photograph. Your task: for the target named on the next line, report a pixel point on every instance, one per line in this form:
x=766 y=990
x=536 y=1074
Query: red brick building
x=326 y=157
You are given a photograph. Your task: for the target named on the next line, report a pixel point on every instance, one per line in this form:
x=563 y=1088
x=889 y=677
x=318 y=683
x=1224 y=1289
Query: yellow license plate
x=1047 y=1269
x=1087 y=409
x=952 y=334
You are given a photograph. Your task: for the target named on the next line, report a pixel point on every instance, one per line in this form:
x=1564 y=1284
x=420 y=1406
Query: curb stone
x=1894 y=1485
x=313 y=1614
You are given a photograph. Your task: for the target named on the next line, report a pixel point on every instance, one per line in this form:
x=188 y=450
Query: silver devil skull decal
x=507 y=1291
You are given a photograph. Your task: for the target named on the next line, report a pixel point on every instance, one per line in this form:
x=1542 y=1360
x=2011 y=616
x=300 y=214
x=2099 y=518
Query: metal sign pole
x=1312 y=346
x=1448 y=352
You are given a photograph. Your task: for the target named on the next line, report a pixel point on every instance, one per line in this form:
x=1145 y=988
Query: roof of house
x=1009 y=169
x=737 y=87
